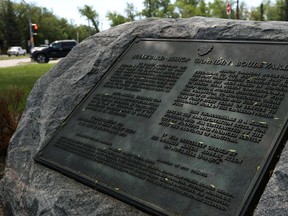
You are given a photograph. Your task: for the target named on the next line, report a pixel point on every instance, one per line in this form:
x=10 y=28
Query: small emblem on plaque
x=204 y=50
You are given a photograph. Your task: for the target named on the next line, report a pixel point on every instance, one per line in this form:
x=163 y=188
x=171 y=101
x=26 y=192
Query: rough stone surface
x=31 y=189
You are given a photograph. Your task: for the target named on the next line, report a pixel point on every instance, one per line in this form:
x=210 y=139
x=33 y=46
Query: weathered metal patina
x=179 y=127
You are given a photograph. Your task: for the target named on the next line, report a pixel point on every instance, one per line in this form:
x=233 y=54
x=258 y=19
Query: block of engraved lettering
x=179 y=127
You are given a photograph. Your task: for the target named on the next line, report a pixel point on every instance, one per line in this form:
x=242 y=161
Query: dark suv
x=57 y=49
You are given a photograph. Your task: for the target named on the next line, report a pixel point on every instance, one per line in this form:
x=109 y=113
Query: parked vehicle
x=16 y=50
x=42 y=46
x=57 y=49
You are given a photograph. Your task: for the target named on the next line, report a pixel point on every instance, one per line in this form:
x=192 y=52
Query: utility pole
x=149 y=8
x=237 y=10
x=286 y=10
x=30 y=27
x=261 y=12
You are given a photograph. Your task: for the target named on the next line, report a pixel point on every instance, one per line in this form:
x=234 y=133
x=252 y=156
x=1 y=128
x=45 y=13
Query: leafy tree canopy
x=15 y=30
x=91 y=15
x=14 y=17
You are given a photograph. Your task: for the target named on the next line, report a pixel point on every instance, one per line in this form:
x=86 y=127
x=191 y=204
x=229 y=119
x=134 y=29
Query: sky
x=69 y=8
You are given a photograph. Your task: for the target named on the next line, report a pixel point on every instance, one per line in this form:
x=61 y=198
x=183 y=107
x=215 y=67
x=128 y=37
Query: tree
x=286 y=10
x=83 y=31
x=23 y=23
x=217 y=9
x=187 y=8
x=14 y=25
x=159 y=8
x=130 y=12
x=243 y=11
x=117 y=18
x=2 y=24
x=277 y=11
x=202 y=9
x=10 y=25
x=91 y=15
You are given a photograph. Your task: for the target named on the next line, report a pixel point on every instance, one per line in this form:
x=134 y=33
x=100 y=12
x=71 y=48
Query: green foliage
x=83 y=31
x=276 y=11
x=14 y=25
x=11 y=24
x=159 y=8
x=15 y=85
x=187 y=8
x=217 y=9
x=116 y=18
x=2 y=36
x=202 y=9
x=131 y=12
x=271 y=11
x=9 y=116
x=91 y=15
x=14 y=17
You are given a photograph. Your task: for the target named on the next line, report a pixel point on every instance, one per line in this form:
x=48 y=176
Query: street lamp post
x=30 y=27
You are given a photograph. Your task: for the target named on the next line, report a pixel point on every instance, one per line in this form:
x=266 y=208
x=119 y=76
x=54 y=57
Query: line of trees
x=14 y=25
x=268 y=10
x=14 y=28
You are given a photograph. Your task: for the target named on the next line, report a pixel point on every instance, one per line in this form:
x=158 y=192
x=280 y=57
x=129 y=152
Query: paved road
x=14 y=62
x=20 y=61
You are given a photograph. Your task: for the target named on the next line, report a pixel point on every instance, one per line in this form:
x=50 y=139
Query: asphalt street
x=14 y=62
x=20 y=61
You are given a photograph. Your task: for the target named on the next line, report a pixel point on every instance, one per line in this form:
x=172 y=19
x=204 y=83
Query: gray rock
x=274 y=201
x=31 y=189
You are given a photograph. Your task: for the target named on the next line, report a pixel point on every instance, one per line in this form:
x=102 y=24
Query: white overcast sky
x=69 y=8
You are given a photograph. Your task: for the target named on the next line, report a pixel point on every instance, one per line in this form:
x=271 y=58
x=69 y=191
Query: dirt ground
x=2 y=166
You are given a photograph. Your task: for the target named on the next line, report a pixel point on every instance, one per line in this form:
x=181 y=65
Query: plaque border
x=249 y=201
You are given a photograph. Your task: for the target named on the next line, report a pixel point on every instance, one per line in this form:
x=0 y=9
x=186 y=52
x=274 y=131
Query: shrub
x=10 y=115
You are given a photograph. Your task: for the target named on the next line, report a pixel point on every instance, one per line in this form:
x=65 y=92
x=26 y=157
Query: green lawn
x=6 y=57
x=21 y=77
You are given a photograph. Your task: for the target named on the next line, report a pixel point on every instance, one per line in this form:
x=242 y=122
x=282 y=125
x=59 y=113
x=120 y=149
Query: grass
x=6 y=57
x=9 y=116
x=15 y=86
x=22 y=77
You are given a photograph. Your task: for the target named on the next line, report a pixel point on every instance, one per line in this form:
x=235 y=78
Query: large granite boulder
x=32 y=189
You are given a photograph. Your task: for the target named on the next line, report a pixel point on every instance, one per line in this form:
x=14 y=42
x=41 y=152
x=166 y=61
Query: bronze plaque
x=179 y=127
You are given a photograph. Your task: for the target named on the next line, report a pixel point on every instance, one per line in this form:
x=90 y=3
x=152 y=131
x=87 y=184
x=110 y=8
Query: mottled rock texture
x=32 y=189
